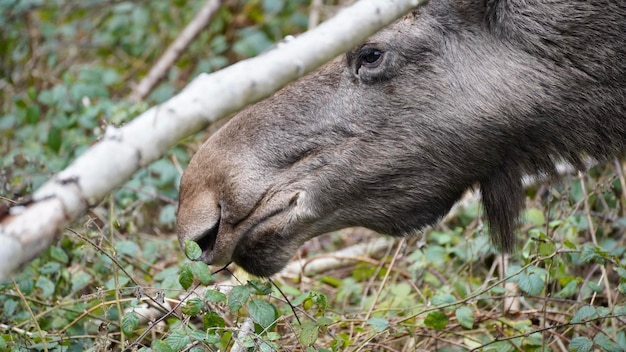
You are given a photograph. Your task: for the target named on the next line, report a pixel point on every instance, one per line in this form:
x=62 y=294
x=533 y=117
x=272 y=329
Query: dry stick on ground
x=28 y=229
x=174 y=51
x=314 y=13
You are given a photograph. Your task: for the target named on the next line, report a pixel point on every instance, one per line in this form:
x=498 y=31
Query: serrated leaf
x=263 y=313
x=593 y=254
x=50 y=267
x=212 y=320
x=595 y=287
x=178 y=340
x=46 y=286
x=622 y=288
x=324 y=321
x=129 y=248
x=185 y=278
x=130 y=322
x=309 y=332
x=535 y=216
x=193 y=306
x=54 y=139
x=442 y=298
x=568 y=291
x=606 y=343
x=59 y=254
x=80 y=280
x=580 y=344
x=546 y=249
x=380 y=324
x=192 y=250
x=465 y=316
x=500 y=346
x=33 y=114
x=161 y=346
x=621 y=272
x=9 y=307
x=532 y=284
x=238 y=297
x=583 y=314
x=209 y=336
x=214 y=296
x=436 y=320
x=201 y=271
x=569 y=244
x=260 y=288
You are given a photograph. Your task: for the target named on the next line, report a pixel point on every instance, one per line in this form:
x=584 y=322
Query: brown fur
x=464 y=93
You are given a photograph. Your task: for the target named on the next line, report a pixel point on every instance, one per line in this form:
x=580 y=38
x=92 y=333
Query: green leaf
x=442 y=298
x=535 y=216
x=260 y=287
x=436 y=320
x=465 y=316
x=606 y=343
x=201 y=271
x=273 y=6
x=214 y=296
x=167 y=215
x=54 y=139
x=309 y=333
x=50 y=268
x=212 y=320
x=185 y=278
x=46 y=286
x=593 y=254
x=238 y=297
x=500 y=346
x=3 y=344
x=33 y=114
x=380 y=324
x=584 y=313
x=161 y=346
x=129 y=248
x=178 y=340
x=130 y=322
x=58 y=254
x=193 y=306
x=263 y=313
x=580 y=344
x=9 y=307
x=531 y=283
x=568 y=291
x=192 y=250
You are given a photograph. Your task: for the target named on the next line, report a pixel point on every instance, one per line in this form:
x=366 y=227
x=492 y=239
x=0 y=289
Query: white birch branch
x=31 y=228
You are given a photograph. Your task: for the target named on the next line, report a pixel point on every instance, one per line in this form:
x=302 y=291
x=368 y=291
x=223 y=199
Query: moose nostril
x=208 y=238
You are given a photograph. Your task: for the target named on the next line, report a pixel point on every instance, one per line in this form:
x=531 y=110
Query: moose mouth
x=262 y=234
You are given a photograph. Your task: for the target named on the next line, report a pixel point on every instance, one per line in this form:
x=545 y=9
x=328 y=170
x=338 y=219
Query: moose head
x=458 y=94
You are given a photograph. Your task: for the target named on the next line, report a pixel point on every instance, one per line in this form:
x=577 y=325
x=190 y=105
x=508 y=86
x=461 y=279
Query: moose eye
x=370 y=58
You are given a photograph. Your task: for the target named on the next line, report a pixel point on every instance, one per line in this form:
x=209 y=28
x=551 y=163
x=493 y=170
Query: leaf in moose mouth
x=192 y=250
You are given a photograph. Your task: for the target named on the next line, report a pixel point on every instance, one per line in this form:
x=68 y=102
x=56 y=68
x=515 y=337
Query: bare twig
x=314 y=13
x=174 y=51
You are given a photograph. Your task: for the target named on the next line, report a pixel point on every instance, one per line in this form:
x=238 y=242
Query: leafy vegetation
x=117 y=280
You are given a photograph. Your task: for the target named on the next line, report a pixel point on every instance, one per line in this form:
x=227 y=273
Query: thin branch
x=173 y=52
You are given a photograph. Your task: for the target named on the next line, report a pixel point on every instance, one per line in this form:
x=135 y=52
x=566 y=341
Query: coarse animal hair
x=458 y=94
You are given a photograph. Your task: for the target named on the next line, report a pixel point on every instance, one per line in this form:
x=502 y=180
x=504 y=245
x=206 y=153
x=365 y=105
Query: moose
x=459 y=94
